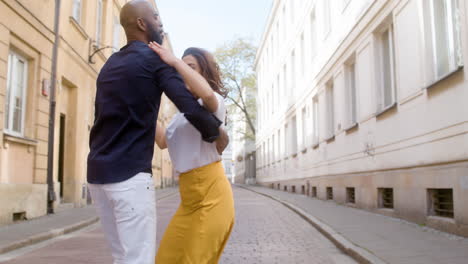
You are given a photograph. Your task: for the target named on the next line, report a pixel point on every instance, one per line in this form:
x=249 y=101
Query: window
x=302 y=55
x=329 y=193
x=315 y=120
x=278 y=144
x=304 y=127
x=76 y=12
x=287 y=147
x=285 y=79
x=326 y=17
x=116 y=37
x=273 y=149
x=292 y=75
x=385 y=198
x=314 y=192
x=15 y=102
x=351 y=93
x=441 y=202
x=293 y=136
x=385 y=62
x=313 y=35
x=99 y=23
x=351 y=195
x=445 y=29
x=330 y=110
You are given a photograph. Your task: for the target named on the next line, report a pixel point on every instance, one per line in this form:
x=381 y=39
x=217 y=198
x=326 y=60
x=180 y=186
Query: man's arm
x=173 y=86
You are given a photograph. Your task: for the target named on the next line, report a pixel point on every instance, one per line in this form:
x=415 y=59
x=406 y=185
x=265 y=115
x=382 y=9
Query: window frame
x=77 y=9
x=381 y=86
x=13 y=58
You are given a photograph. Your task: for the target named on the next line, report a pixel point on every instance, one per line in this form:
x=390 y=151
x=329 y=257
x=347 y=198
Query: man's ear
x=141 y=24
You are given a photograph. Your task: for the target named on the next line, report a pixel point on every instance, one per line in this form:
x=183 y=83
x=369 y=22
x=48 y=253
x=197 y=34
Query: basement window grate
x=329 y=193
x=19 y=216
x=350 y=195
x=386 y=198
x=441 y=202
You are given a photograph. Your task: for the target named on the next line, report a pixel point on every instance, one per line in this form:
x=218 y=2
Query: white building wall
x=425 y=128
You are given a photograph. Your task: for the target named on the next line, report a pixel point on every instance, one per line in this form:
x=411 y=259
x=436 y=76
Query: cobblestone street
x=265 y=232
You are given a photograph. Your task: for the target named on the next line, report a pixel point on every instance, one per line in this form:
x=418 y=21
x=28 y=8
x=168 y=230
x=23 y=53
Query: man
x=129 y=89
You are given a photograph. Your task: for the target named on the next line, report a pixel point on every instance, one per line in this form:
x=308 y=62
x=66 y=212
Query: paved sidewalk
x=390 y=239
x=26 y=233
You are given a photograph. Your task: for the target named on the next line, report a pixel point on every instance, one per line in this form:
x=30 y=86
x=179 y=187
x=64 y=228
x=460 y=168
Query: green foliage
x=236 y=61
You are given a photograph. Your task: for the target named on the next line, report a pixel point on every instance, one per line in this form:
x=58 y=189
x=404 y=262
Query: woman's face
x=192 y=62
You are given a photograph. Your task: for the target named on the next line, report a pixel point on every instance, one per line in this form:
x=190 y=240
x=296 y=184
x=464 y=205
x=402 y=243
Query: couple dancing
x=129 y=89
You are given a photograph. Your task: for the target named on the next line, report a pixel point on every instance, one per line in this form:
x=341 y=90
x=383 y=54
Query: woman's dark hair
x=209 y=69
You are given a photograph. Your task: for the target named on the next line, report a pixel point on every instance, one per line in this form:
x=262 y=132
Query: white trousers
x=128 y=216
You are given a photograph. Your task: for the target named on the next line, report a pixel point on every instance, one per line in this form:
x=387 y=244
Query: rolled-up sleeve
x=174 y=87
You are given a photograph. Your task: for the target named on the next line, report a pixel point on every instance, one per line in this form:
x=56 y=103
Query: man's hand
x=222 y=141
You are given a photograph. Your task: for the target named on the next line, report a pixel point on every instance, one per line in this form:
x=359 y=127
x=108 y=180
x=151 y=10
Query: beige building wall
x=26 y=30
x=414 y=143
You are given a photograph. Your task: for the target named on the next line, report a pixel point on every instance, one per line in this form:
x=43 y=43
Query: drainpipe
x=53 y=81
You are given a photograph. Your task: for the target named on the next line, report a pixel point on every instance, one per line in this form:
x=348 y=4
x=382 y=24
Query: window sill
x=20 y=140
x=330 y=139
x=351 y=127
x=388 y=108
x=315 y=145
x=79 y=28
x=446 y=76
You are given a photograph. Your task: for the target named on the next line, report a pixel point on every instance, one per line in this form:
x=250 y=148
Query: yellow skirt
x=201 y=226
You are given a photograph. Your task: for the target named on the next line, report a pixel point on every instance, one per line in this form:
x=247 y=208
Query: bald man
x=129 y=89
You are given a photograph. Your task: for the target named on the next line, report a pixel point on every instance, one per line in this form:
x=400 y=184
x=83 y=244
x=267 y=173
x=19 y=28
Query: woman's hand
x=165 y=54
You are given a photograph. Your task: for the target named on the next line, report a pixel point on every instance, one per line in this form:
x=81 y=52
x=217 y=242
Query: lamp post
x=53 y=84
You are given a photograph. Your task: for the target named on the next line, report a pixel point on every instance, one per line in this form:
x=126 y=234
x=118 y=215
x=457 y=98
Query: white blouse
x=186 y=148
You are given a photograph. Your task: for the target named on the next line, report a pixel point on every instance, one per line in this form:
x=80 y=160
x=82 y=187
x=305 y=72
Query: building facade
x=363 y=102
x=26 y=41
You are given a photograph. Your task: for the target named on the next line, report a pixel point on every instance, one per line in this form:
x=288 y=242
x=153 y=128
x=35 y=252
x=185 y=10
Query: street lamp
x=50 y=153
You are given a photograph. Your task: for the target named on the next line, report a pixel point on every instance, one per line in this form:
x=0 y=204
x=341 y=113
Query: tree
x=236 y=61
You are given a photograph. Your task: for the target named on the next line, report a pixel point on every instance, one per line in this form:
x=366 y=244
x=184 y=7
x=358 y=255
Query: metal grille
x=350 y=195
x=386 y=198
x=285 y=188
x=442 y=202
x=303 y=189
x=314 y=191
x=329 y=193
x=294 y=189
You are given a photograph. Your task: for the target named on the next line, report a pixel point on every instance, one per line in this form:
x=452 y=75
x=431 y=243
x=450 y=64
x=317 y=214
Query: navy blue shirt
x=129 y=89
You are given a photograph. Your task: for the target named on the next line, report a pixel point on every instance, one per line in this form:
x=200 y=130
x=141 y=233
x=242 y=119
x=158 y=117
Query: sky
x=209 y=24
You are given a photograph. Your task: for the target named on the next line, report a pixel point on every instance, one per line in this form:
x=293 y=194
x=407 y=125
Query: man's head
x=141 y=22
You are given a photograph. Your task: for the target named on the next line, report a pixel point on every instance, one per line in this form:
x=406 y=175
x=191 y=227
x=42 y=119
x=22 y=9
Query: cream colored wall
x=27 y=27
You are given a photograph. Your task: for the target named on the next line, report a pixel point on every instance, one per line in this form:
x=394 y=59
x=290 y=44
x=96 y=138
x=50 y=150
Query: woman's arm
x=198 y=85
x=161 y=137
x=222 y=141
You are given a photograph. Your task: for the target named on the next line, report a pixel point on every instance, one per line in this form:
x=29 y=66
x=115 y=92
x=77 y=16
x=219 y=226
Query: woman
x=203 y=222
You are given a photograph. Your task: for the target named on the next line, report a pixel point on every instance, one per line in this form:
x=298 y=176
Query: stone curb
x=47 y=235
x=57 y=232
x=356 y=252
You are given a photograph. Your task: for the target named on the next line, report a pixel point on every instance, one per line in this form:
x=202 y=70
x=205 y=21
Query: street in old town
x=265 y=232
